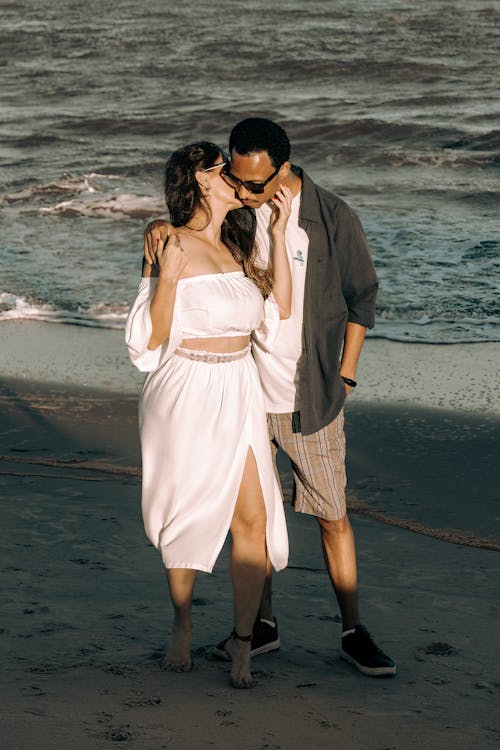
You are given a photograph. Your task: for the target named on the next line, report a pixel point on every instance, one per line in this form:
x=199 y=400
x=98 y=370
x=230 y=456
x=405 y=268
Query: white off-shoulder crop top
x=206 y=306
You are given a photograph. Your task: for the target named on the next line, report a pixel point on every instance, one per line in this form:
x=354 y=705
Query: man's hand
x=353 y=342
x=155 y=236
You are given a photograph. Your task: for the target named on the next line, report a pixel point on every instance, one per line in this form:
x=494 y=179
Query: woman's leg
x=248 y=567
x=181 y=585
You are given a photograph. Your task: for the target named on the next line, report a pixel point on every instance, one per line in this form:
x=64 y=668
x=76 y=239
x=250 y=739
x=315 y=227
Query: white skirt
x=197 y=422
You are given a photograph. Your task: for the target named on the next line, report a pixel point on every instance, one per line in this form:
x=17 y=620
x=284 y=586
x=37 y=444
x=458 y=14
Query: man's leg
x=339 y=550
x=318 y=463
x=266 y=608
x=357 y=646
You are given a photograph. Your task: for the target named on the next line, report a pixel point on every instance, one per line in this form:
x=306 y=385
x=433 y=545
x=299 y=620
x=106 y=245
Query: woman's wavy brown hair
x=184 y=197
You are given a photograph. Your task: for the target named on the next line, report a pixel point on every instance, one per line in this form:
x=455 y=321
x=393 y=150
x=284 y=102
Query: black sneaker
x=265 y=638
x=359 y=649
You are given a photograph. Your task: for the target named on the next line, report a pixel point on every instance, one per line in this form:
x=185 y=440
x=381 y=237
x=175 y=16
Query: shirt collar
x=309 y=204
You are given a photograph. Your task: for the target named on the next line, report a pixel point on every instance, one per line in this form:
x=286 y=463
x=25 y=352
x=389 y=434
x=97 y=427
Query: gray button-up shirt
x=340 y=287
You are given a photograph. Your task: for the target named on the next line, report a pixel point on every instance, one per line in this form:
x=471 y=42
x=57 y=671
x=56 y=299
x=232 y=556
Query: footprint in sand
x=47 y=668
x=437 y=648
x=152 y=700
x=437 y=680
x=225 y=715
x=56 y=627
x=32 y=690
x=329 y=618
x=85 y=561
x=491 y=687
x=198 y=601
x=120 y=734
x=121 y=670
x=92 y=648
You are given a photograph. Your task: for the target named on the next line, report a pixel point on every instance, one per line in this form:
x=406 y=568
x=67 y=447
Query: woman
x=207 y=465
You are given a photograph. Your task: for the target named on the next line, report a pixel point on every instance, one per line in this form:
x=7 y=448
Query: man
x=312 y=366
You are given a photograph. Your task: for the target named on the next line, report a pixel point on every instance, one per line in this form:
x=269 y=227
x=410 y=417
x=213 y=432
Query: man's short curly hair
x=258 y=134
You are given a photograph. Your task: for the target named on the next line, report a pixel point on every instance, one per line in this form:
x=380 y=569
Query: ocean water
x=393 y=105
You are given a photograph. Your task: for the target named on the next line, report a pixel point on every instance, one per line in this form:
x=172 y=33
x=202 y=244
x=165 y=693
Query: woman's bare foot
x=178 y=656
x=240 y=669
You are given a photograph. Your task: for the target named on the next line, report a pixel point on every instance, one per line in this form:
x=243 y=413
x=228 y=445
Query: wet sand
x=85 y=606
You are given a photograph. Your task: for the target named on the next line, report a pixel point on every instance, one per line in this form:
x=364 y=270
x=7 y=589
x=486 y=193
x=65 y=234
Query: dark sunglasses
x=252 y=187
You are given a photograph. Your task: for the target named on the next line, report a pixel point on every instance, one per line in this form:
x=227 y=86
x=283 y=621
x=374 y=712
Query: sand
x=85 y=610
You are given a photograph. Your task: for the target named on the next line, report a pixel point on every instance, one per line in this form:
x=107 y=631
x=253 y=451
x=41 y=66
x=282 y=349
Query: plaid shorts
x=318 y=465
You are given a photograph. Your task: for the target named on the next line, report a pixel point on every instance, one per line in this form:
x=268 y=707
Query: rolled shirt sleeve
x=359 y=278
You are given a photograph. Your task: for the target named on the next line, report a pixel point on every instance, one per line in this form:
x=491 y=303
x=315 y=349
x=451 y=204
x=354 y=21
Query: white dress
x=198 y=420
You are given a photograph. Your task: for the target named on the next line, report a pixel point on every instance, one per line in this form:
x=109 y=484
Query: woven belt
x=212 y=358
